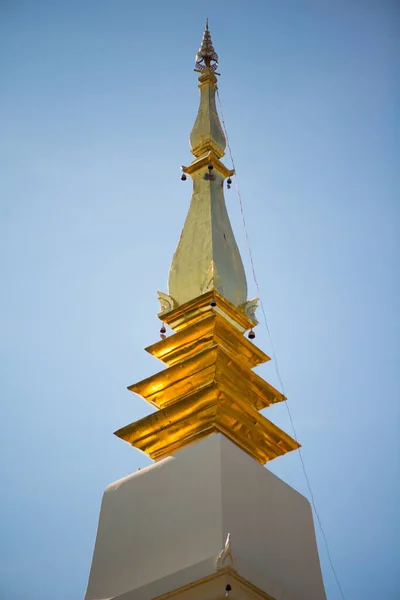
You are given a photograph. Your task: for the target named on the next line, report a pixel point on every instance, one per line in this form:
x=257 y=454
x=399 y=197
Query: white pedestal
x=162 y=529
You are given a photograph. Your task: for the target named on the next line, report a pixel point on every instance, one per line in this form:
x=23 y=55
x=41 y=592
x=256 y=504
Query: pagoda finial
x=206 y=56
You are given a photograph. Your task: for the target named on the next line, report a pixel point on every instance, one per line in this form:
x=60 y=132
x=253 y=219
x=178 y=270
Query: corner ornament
x=225 y=557
x=167 y=303
x=249 y=308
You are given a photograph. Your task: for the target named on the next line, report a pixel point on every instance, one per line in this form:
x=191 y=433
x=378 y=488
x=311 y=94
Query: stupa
x=207 y=520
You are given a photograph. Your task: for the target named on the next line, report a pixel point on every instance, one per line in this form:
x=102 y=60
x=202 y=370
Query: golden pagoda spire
x=209 y=385
x=207 y=256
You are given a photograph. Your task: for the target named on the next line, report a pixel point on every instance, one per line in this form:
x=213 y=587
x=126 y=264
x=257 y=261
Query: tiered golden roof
x=209 y=385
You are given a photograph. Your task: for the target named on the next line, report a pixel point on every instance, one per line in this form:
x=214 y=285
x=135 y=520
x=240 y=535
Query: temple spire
x=209 y=385
x=207 y=256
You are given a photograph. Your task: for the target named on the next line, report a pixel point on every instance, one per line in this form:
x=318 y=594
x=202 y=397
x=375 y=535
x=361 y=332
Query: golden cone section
x=208 y=387
x=207 y=256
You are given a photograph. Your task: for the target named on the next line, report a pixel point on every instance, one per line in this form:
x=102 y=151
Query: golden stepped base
x=208 y=387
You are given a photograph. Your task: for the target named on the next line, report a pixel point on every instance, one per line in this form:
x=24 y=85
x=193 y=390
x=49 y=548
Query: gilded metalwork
x=209 y=385
x=193 y=311
x=204 y=161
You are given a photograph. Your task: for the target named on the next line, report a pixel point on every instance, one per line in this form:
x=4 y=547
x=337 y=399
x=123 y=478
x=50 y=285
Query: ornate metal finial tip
x=206 y=58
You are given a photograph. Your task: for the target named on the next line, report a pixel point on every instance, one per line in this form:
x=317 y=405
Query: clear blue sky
x=97 y=102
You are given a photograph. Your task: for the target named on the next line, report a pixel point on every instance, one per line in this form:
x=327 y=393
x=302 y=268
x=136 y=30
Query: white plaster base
x=163 y=527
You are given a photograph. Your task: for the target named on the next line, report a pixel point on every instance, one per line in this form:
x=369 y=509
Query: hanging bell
x=251 y=335
x=229 y=181
x=213 y=303
x=183 y=178
x=162 y=329
x=210 y=167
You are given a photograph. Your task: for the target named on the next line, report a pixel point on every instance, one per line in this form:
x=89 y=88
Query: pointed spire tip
x=206 y=56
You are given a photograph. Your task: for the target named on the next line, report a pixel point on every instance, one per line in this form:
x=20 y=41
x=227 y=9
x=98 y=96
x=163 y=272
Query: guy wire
x=274 y=354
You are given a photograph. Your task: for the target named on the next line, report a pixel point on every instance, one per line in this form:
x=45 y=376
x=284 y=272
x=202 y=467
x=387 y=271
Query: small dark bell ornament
x=251 y=335
x=229 y=181
x=213 y=303
x=163 y=330
x=183 y=178
x=210 y=167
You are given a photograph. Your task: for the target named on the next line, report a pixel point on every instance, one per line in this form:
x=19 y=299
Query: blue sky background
x=97 y=102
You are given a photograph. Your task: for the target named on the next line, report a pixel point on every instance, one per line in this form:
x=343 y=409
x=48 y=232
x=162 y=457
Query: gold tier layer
x=205 y=412
x=212 y=329
x=212 y=366
x=180 y=317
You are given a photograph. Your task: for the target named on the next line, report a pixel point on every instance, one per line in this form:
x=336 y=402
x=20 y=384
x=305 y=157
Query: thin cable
x=274 y=354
